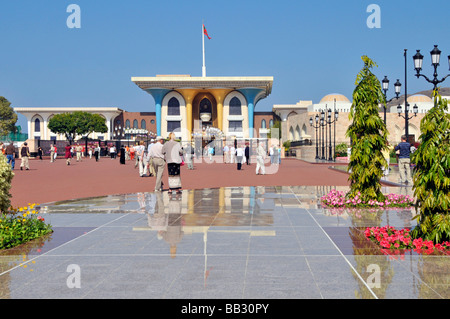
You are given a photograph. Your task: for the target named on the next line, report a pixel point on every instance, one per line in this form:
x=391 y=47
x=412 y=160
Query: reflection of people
x=174 y=231
x=404 y=161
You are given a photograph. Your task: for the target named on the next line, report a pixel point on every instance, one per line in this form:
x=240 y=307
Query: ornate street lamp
x=435 y=59
x=329 y=121
x=316 y=118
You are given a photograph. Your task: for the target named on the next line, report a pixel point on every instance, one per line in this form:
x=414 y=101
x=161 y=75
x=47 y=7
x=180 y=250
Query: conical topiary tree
x=368 y=136
x=432 y=174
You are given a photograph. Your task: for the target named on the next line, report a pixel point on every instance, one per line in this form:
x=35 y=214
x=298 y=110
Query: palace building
x=189 y=105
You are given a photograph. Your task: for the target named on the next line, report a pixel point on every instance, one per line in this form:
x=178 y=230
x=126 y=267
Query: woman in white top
x=239 y=157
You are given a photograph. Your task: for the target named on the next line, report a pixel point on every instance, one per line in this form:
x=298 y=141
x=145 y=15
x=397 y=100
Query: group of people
x=154 y=159
x=10 y=152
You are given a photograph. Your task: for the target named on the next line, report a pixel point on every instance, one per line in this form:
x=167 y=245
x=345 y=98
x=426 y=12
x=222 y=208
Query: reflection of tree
x=10 y=258
x=435 y=274
x=366 y=253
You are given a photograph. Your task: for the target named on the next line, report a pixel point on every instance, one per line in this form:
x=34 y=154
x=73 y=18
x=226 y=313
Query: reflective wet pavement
x=234 y=242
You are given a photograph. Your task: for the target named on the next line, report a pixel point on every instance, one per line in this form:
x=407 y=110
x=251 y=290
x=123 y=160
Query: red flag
x=206 y=32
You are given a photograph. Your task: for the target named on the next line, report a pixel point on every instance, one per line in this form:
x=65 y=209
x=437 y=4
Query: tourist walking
x=112 y=152
x=149 y=159
x=173 y=153
x=247 y=154
x=40 y=152
x=404 y=161
x=158 y=162
x=68 y=154
x=79 y=150
x=232 y=154
x=97 y=152
x=239 y=157
x=25 y=155
x=52 y=153
x=140 y=157
x=122 y=155
x=10 y=152
x=260 y=158
x=226 y=154
x=189 y=156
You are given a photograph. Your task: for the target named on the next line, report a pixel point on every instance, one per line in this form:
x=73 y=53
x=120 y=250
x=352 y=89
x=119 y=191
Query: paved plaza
x=228 y=242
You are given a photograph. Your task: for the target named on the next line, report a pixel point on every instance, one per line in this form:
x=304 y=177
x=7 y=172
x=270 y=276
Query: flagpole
x=203 y=49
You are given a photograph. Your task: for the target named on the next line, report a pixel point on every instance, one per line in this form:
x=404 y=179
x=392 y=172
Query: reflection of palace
x=215 y=210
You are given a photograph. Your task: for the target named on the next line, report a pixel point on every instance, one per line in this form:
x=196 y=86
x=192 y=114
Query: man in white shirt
x=149 y=159
x=140 y=150
x=232 y=154
x=158 y=162
x=226 y=153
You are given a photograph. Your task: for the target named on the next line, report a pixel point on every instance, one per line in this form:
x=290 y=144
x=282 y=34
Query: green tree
x=77 y=123
x=368 y=136
x=432 y=174
x=6 y=176
x=8 y=117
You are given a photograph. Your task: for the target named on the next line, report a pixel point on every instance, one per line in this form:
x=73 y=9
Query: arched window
x=37 y=125
x=143 y=124
x=173 y=107
x=205 y=106
x=235 y=106
x=270 y=123
x=127 y=124
x=135 y=124
x=263 y=123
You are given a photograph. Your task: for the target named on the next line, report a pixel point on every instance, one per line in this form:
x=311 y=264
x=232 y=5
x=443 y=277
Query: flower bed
x=21 y=225
x=338 y=199
x=395 y=241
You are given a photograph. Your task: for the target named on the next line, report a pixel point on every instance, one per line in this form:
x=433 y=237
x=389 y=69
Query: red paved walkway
x=47 y=182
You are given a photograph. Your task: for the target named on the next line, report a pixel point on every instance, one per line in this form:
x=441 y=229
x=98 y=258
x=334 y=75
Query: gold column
x=219 y=95
x=189 y=96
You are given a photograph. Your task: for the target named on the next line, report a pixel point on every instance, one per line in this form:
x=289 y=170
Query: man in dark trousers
x=247 y=154
x=404 y=161
x=10 y=153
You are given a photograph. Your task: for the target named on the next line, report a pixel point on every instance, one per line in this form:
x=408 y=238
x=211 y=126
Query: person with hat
x=158 y=162
x=173 y=153
x=25 y=154
x=151 y=169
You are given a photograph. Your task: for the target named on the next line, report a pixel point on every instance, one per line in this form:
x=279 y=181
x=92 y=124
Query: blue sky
x=311 y=48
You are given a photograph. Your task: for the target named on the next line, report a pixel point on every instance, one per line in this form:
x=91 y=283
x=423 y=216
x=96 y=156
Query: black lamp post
x=435 y=58
x=397 y=89
x=316 y=127
x=385 y=86
x=329 y=121
x=323 y=124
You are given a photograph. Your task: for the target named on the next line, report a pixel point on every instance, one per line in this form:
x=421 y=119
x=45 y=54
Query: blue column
x=158 y=95
x=250 y=95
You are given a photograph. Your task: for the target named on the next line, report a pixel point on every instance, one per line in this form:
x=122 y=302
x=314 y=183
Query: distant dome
x=419 y=98
x=331 y=97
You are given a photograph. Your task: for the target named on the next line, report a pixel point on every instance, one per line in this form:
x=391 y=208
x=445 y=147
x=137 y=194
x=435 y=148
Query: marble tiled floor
x=237 y=242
